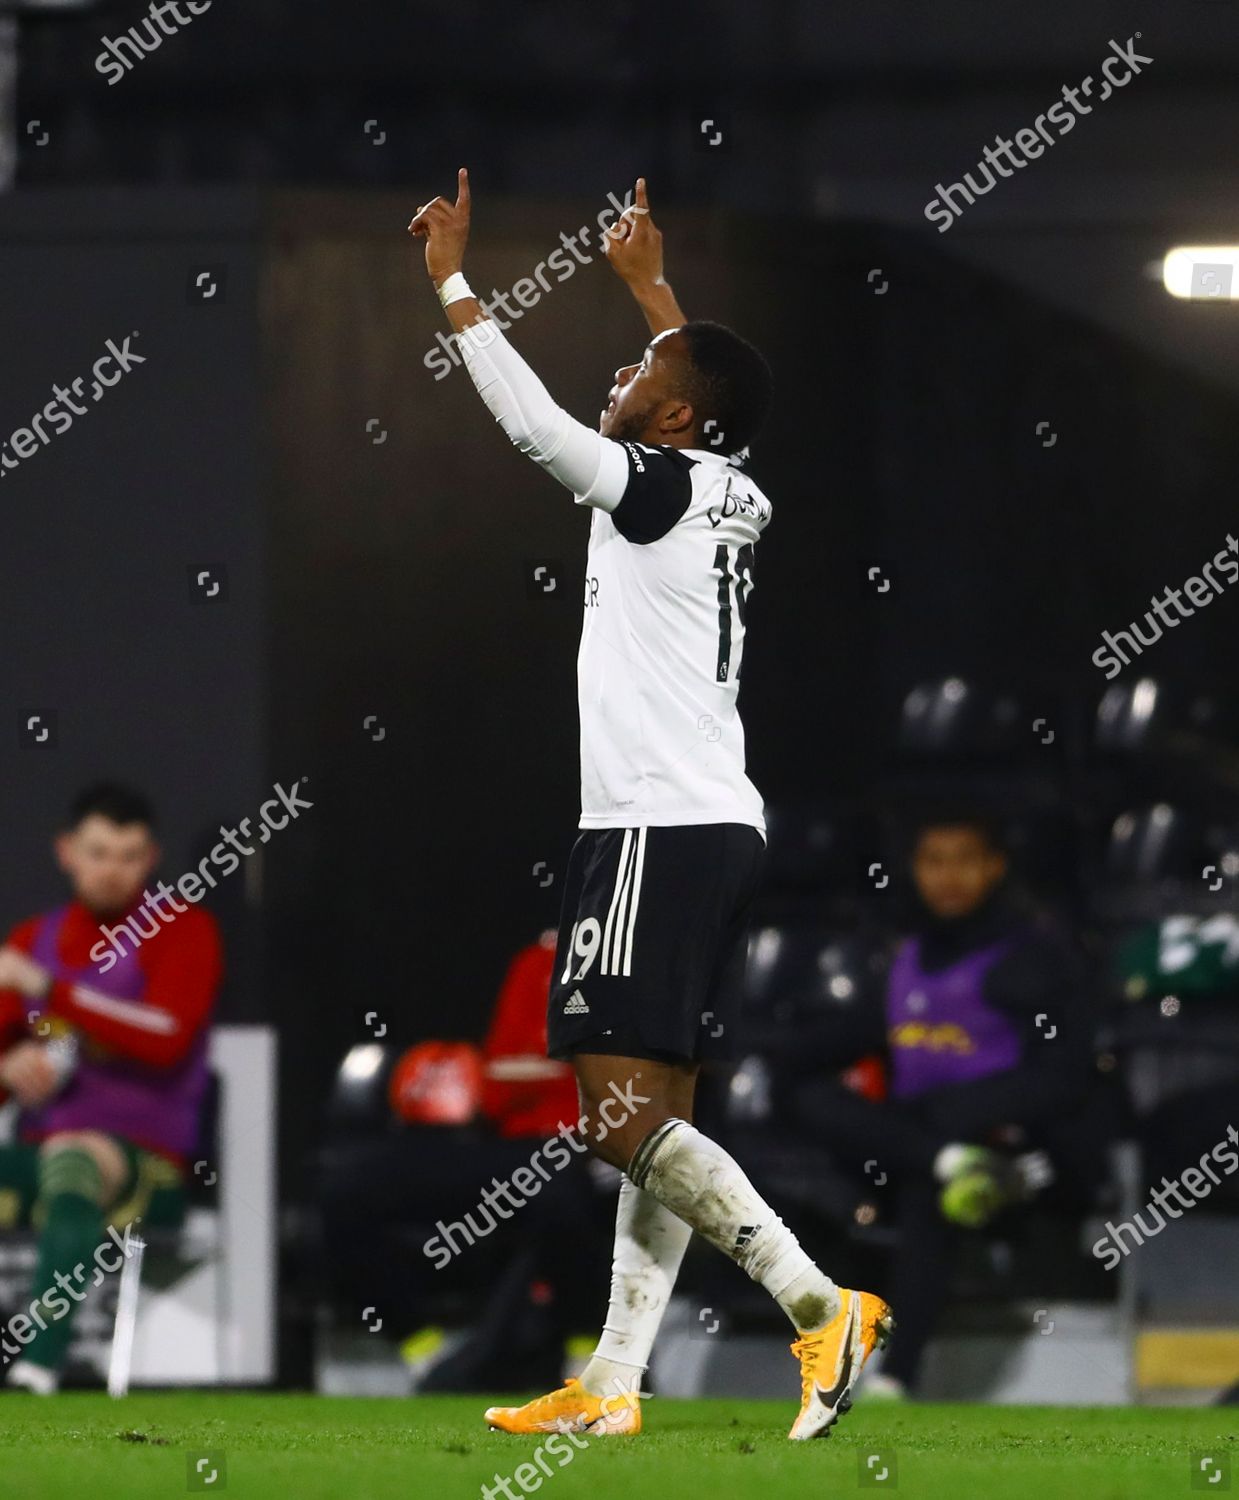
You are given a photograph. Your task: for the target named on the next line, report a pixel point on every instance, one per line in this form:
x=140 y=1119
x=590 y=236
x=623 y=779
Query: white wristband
x=454 y=288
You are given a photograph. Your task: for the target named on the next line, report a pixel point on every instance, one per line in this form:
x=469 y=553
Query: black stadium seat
x=817 y=857
x=998 y=750
x=1155 y=843
x=358 y=1103
x=1161 y=859
x=808 y=848
x=954 y=717
x=797 y=972
x=1148 y=716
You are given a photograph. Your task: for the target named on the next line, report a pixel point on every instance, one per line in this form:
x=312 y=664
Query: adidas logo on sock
x=747 y=1231
x=576 y=1005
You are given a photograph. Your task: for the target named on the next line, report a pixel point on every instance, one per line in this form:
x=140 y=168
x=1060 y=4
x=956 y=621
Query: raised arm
x=591 y=466
x=634 y=246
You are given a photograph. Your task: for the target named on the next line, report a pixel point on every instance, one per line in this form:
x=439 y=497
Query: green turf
x=314 y=1448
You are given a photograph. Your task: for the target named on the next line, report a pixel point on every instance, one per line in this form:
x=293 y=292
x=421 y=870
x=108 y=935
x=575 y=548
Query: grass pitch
x=318 y=1448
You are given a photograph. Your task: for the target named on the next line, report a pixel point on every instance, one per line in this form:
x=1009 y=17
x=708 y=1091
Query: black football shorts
x=653 y=937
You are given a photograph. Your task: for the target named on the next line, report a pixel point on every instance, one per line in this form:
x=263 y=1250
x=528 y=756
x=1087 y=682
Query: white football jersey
x=668 y=580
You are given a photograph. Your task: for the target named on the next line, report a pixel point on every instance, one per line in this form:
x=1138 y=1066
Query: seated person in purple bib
x=986 y=1031
x=104 y=1009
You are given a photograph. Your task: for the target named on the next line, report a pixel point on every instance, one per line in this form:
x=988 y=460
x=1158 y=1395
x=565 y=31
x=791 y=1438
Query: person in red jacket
x=104 y=1009
x=527 y=1098
x=526 y=1092
x=525 y=1284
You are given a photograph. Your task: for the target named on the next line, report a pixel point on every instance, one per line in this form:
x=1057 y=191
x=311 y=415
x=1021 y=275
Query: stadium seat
x=1151 y=716
x=358 y=1103
x=1156 y=843
x=1160 y=741
x=1149 y=863
x=807 y=847
x=749 y=1100
x=816 y=859
x=953 y=717
x=1002 y=751
x=795 y=971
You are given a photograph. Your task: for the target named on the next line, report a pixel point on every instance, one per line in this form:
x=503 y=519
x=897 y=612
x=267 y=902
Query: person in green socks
x=105 y=1005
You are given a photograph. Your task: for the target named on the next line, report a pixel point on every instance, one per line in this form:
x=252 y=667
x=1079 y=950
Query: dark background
x=393 y=581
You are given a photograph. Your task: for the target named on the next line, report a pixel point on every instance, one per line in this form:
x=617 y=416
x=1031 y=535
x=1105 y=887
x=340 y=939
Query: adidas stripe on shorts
x=653 y=937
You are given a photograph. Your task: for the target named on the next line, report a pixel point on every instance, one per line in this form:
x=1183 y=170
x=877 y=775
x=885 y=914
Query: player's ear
x=677 y=418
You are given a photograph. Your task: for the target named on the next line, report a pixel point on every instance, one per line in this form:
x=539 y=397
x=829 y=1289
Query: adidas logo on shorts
x=576 y=1005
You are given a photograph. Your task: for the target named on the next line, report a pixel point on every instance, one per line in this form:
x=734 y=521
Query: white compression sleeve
x=650 y=1242
x=700 y=1183
x=591 y=466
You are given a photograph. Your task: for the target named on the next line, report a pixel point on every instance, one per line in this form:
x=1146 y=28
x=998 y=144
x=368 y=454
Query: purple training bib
x=155 y=1107
x=940 y=1029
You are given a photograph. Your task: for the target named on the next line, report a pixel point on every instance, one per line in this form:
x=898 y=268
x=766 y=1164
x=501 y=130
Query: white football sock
x=697 y=1180
x=649 y=1245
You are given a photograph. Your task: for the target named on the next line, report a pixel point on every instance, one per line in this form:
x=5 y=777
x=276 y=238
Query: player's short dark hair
x=111 y=800
x=730 y=385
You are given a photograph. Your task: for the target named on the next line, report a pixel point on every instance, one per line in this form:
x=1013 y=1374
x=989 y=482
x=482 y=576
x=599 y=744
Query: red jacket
x=182 y=965
x=518 y=1028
